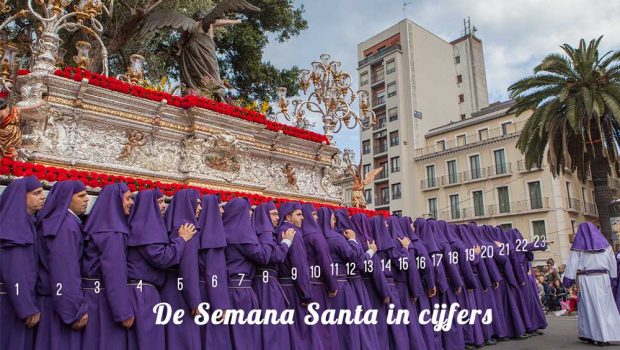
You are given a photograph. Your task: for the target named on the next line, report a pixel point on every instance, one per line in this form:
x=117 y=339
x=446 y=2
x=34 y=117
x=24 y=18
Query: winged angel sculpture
x=196 y=55
x=357 y=190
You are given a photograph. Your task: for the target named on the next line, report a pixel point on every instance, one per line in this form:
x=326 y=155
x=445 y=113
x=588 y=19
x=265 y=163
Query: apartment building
x=471 y=170
x=417 y=81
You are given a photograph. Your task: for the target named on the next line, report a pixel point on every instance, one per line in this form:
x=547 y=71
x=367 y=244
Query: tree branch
x=132 y=10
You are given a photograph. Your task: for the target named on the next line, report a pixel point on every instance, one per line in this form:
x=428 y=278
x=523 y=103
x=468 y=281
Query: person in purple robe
x=617 y=288
x=19 y=312
x=182 y=286
x=59 y=287
x=294 y=273
x=323 y=284
x=392 y=257
x=531 y=309
x=346 y=252
x=408 y=281
x=213 y=271
x=472 y=333
x=104 y=270
x=427 y=289
x=243 y=253
x=149 y=253
x=266 y=285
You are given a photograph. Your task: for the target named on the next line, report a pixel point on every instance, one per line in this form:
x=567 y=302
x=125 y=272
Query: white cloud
x=516 y=34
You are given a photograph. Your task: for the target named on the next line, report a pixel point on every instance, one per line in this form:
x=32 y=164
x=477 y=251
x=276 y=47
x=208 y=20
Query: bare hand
x=32 y=320
x=194 y=312
x=477 y=249
x=432 y=292
x=372 y=246
x=81 y=323
x=333 y=294
x=550 y=242
x=128 y=323
x=349 y=234
x=498 y=243
x=459 y=290
x=405 y=242
x=289 y=234
x=387 y=300
x=187 y=231
x=414 y=300
x=495 y=285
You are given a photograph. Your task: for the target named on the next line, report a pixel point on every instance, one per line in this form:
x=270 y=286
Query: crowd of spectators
x=553 y=295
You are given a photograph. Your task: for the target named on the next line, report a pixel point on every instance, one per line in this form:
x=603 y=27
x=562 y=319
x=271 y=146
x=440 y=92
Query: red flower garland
x=185 y=102
x=99 y=180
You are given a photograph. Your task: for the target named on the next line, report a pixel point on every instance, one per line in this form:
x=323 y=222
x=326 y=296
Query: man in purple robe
x=408 y=282
x=213 y=271
x=294 y=274
x=392 y=257
x=243 y=254
x=323 y=284
x=59 y=287
x=19 y=312
x=266 y=285
x=182 y=287
x=149 y=254
x=104 y=270
x=345 y=251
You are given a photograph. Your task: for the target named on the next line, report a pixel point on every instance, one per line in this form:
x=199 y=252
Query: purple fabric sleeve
x=214 y=261
x=568 y=282
x=299 y=261
x=12 y=262
x=452 y=270
x=189 y=270
x=483 y=275
x=163 y=256
x=111 y=246
x=65 y=278
x=278 y=251
x=325 y=261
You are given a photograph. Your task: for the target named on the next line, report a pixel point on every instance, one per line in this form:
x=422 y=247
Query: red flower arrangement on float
x=111 y=83
x=95 y=180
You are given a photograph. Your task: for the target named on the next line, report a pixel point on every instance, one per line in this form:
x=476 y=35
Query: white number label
x=334 y=269
x=293 y=273
x=420 y=262
x=437 y=259
x=16 y=288
x=403 y=263
x=454 y=258
x=97 y=287
x=386 y=265
x=350 y=268
x=368 y=267
x=180 y=283
x=242 y=277
x=214 y=281
x=315 y=271
x=486 y=251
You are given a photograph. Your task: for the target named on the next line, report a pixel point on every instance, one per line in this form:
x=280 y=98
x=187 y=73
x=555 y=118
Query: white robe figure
x=598 y=316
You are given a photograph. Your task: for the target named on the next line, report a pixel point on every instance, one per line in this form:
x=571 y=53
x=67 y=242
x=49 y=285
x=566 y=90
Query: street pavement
x=561 y=334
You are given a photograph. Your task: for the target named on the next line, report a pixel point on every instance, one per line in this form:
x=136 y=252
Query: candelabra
x=135 y=71
x=331 y=98
x=54 y=17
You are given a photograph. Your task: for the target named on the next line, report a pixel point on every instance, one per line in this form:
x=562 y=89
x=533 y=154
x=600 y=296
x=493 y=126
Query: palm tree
x=575 y=99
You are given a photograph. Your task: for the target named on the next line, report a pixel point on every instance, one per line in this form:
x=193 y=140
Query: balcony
x=380 y=149
x=472 y=139
x=451 y=179
x=574 y=205
x=475 y=175
x=378 y=102
x=381 y=123
x=499 y=170
x=521 y=167
x=382 y=175
x=378 y=55
x=614 y=183
x=379 y=78
x=432 y=183
x=380 y=201
x=590 y=209
x=496 y=210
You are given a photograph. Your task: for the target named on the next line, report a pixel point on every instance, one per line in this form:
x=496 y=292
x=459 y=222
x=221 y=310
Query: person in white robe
x=592 y=265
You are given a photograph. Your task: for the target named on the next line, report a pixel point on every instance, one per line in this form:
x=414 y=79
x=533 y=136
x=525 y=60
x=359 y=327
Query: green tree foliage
x=575 y=99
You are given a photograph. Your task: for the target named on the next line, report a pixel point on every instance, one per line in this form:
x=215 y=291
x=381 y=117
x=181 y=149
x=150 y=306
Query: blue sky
x=516 y=34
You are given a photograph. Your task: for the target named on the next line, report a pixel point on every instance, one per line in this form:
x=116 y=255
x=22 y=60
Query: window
x=461 y=140
x=478 y=203
x=457 y=59
x=483 y=134
x=461 y=98
x=364 y=78
x=474 y=165
x=504 y=199
x=381 y=121
x=395 y=164
x=365 y=169
x=368 y=196
x=379 y=98
x=507 y=128
x=390 y=66
x=441 y=145
x=583 y=195
x=568 y=196
x=459 y=79
x=384 y=172
x=430 y=176
x=394 y=141
x=397 y=213
x=366 y=146
x=506 y=227
x=395 y=191
x=393 y=114
x=452 y=174
x=432 y=207
x=454 y=206
x=538 y=227
x=377 y=73
x=573 y=223
x=391 y=89
x=500 y=162
x=535 y=195
x=385 y=196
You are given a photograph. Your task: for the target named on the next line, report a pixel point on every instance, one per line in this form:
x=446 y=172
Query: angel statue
x=196 y=48
x=357 y=190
